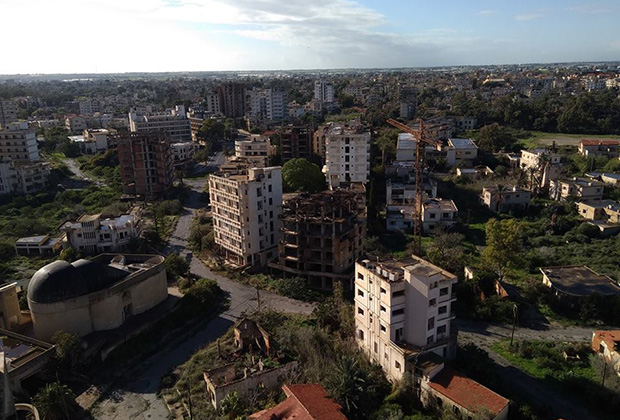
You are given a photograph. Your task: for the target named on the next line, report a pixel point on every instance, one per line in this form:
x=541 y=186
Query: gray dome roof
x=61 y=280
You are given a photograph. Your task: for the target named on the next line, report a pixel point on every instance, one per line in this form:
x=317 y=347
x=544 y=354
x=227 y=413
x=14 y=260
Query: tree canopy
x=302 y=175
x=504 y=245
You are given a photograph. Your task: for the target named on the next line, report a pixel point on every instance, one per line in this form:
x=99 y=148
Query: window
x=431 y=323
x=376 y=347
x=382 y=290
x=397 y=312
x=269 y=188
x=456 y=410
x=398 y=293
x=441 y=329
x=270 y=201
x=443 y=291
x=433 y=285
x=432 y=302
x=360 y=311
x=259 y=192
x=442 y=309
x=360 y=334
x=397 y=365
x=382 y=328
x=430 y=340
x=382 y=308
x=360 y=292
x=360 y=276
x=432 y=215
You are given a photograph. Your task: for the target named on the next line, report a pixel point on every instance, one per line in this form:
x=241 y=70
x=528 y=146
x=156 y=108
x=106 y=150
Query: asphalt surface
x=552 y=399
x=138 y=400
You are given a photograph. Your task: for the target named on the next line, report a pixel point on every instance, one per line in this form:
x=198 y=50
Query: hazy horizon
x=161 y=36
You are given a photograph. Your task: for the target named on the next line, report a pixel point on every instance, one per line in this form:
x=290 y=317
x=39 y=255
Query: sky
x=110 y=36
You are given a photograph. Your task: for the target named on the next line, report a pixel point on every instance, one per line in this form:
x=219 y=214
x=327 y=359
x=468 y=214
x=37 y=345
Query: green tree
x=348 y=384
x=493 y=138
x=68 y=254
x=176 y=266
x=55 y=402
x=446 y=250
x=69 y=351
x=232 y=406
x=504 y=245
x=301 y=175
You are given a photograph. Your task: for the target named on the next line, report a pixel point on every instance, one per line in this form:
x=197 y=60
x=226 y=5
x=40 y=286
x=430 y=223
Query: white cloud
x=529 y=16
x=487 y=12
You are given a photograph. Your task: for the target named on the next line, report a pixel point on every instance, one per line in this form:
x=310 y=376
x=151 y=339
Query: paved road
x=485 y=335
x=138 y=399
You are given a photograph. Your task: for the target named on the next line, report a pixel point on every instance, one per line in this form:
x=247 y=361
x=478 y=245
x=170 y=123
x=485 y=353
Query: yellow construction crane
x=421 y=140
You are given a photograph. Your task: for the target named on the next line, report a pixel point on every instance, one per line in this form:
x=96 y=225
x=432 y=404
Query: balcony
x=446 y=298
x=447 y=315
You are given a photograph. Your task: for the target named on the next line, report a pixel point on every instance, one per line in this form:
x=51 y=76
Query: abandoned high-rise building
x=322 y=237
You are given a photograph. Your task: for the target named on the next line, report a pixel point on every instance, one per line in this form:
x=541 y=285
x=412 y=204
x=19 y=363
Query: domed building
x=96 y=294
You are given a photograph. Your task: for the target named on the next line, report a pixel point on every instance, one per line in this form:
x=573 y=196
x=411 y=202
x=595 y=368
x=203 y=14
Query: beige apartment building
x=18 y=142
x=347 y=154
x=501 y=200
x=246 y=203
x=403 y=308
x=257 y=150
x=579 y=188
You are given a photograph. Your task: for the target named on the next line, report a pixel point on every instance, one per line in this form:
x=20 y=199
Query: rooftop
x=579 y=280
x=440 y=204
x=393 y=270
x=60 y=280
x=595 y=142
x=610 y=337
x=583 y=182
x=462 y=143
x=303 y=402
x=406 y=141
x=467 y=393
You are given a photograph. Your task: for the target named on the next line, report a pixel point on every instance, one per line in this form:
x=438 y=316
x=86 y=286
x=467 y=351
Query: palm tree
x=55 y=402
x=544 y=162
x=348 y=384
x=500 y=195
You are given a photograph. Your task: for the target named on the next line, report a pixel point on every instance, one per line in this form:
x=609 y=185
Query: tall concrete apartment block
x=246 y=204
x=18 y=142
x=232 y=99
x=347 y=154
x=403 y=309
x=146 y=163
x=8 y=112
x=173 y=123
x=267 y=104
x=323 y=91
x=322 y=238
x=295 y=141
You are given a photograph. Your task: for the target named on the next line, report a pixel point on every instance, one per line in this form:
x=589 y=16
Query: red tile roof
x=592 y=142
x=610 y=337
x=304 y=402
x=467 y=393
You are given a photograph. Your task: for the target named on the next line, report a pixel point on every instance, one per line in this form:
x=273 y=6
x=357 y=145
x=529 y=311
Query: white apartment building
x=246 y=205
x=499 y=200
x=18 y=142
x=92 y=141
x=257 y=150
x=182 y=154
x=267 y=104
x=403 y=308
x=89 y=107
x=347 y=154
x=96 y=234
x=435 y=212
x=531 y=161
x=174 y=123
x=8 y=112
x=323 y=91
x=76 y=123
x=22 y=177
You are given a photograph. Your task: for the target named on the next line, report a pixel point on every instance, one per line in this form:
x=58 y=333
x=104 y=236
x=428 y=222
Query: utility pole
x=515 y=312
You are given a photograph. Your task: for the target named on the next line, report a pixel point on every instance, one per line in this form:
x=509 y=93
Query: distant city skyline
x=114 y=36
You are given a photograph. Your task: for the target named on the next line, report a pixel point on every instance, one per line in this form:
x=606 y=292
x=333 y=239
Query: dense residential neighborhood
x=436 y=243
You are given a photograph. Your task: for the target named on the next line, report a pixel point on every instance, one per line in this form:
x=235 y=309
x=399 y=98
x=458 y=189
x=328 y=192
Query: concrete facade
x=257 y=150
x=173 y=123
x=511 y=197
x=322 y=237
x=347 y=154
x=579 y=188
x=247 y=203
x=403 y=307
x=137 y=283
x=146 y=163
x=18 y=142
